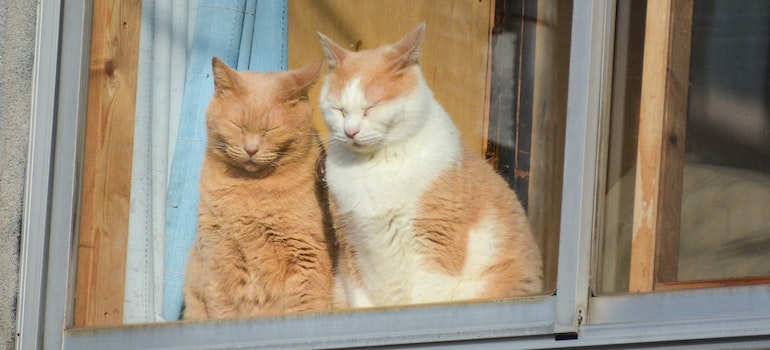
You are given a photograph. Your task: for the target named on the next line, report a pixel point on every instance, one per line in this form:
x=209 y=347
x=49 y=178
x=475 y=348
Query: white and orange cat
x=264 y=245
x=419 y=218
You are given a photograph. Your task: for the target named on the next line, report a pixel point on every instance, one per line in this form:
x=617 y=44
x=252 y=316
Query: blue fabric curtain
x=246 y=35
x=166 y=41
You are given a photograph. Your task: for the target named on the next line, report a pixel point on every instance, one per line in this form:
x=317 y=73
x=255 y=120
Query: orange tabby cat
x=262 y=246
x=419 y=217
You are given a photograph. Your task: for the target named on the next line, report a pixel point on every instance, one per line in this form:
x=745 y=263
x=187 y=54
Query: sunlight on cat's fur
x=419 y=218
x=264 y=245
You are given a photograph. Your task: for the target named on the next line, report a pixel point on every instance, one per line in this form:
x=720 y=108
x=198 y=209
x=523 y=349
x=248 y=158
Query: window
x=138 y=202
x=710 y=225
x=581 y=313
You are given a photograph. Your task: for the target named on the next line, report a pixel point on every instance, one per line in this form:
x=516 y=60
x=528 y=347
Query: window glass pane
x=728 y=142
x=724 y=191
x=499 y=69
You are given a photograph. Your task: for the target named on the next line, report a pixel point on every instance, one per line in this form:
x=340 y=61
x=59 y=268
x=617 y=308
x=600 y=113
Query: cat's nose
x=251 y=150
x=351 y=133
x=352 y=126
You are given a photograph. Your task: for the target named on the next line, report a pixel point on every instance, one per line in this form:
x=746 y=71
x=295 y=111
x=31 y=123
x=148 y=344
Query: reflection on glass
x=725 y=220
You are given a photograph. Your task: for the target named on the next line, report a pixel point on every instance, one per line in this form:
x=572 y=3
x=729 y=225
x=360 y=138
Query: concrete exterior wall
x=17 y=49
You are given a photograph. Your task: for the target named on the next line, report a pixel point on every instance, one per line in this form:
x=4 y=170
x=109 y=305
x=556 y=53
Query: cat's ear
x=409 y=47
x=304 y=78
x=225 y=78
x=335 y=54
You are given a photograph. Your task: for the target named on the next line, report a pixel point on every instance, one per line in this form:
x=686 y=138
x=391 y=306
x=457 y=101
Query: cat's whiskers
x=272 y=163
x=270 y=159
x=320 y=143
x=337 y=141
x=234 y=153
x=226 y=149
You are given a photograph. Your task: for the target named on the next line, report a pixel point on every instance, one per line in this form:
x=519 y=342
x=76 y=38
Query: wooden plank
x=677 y=88
x=455 y=48
x=549 y=110
x=660 y=153
x=107 y=166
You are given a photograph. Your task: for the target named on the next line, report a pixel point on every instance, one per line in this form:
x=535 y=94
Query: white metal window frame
x=572 y=318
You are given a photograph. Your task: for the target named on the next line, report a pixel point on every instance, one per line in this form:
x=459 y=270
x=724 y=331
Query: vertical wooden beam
x=660 y=154
x=677 y=91
x=107 y=163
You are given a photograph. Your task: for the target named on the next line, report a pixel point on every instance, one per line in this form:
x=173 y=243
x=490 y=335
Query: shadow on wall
x=728 y=122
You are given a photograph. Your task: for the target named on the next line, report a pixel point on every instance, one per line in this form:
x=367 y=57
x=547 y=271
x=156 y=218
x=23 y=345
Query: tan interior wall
x=455 y=54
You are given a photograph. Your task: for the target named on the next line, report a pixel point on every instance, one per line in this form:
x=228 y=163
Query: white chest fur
x=377 y=195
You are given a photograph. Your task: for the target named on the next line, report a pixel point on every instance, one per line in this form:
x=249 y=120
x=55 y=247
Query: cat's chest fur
x=378 y=196
x=239 y=207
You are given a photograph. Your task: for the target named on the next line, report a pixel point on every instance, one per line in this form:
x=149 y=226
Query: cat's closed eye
x=366 y=111
x=236 y=125
x=341 y=110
